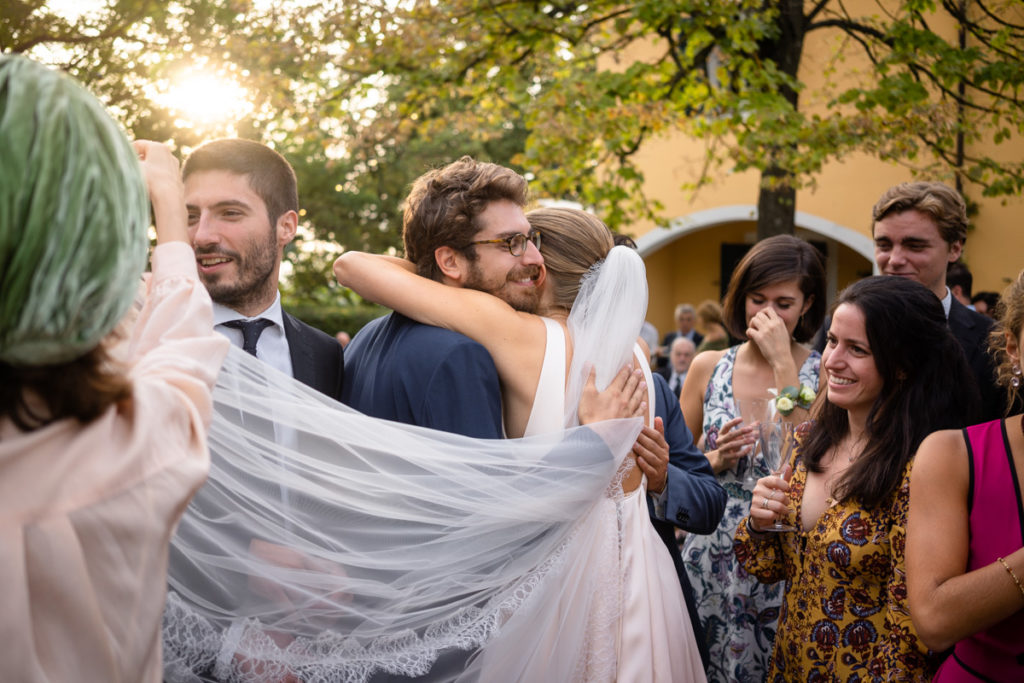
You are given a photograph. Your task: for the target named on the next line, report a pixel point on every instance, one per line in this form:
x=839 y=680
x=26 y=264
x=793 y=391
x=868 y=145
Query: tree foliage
x=362 y=96
x=287 y=56
x=593 y=82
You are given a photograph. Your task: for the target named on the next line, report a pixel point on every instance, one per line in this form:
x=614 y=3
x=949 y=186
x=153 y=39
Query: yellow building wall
x=686 y=269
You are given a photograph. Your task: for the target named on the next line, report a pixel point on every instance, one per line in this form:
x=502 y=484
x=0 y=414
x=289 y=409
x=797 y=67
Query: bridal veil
x=331 y=546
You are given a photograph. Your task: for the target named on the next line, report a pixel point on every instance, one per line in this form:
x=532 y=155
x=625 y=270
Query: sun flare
x=201 y=98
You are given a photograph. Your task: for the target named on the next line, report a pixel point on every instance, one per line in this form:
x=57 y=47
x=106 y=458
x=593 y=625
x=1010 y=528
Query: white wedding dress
x=652 y=639
x=356 y=549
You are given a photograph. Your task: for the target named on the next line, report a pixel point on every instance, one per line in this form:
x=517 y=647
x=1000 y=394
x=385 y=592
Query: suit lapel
x=959 y=320
x=301 y=354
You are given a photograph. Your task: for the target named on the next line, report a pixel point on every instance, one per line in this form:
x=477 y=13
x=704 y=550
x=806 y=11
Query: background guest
x=680 y=356
x=775 y=303
x=712 y=325
x=919 y=229
x=895 y=374
x=965 y=546
x=985 y=303
x=686 y=320
x=959 y=280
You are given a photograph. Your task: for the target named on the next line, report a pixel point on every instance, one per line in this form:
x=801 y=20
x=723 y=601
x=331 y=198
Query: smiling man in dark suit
x=920 y=228
x=243 y=207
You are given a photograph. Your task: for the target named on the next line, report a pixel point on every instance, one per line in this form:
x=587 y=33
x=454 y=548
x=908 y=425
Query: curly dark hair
x=1009 y=315
x=927 y=386
x=443 y=206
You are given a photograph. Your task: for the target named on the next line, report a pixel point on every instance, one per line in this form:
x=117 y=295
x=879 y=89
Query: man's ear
x=452 y=262
x=287 y=225
x=955 y=250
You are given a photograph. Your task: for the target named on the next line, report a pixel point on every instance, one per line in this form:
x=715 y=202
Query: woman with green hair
x=100 y=448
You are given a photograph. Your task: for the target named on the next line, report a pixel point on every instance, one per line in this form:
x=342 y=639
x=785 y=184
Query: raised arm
x=393 y=282
x=516 y=341
x=166 y=192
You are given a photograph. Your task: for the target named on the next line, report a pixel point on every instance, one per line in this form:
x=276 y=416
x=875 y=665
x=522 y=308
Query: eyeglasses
x=516 y=243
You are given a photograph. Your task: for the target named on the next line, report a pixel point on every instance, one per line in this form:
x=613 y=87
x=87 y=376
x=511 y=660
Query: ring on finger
x=765 y=503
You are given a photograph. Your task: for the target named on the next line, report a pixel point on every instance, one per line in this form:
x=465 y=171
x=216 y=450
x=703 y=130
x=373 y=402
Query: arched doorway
x=687 y=259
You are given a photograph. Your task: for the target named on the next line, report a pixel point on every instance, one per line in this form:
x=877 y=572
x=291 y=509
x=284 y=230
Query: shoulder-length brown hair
x=778 y=259
x=83 y=389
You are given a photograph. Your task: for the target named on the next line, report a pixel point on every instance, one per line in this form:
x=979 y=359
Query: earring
x=1015 y=380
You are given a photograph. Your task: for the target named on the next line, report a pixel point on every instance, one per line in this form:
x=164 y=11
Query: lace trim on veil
x=247 y=652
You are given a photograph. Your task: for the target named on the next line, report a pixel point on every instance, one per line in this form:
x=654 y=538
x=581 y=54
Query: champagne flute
x=755 y=412
x=777 y=442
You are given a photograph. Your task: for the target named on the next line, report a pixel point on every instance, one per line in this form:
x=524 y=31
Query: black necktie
x=251 y=331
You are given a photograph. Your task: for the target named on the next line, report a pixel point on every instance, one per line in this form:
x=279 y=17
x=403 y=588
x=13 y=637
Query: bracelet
x=1013 y=576
x=754 y=533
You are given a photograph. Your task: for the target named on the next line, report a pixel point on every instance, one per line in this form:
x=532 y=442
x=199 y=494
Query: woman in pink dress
x=965 y=541
x=100 y=447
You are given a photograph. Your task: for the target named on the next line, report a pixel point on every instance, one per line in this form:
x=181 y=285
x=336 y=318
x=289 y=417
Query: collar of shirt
x=947 y=302
x=273 y=345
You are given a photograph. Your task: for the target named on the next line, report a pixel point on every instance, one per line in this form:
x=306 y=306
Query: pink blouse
x=87 y=511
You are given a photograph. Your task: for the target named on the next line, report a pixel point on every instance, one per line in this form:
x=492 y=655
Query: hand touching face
x=773 y=313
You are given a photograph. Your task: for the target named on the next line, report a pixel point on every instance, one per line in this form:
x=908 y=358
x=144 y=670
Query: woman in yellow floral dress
x=895 y=374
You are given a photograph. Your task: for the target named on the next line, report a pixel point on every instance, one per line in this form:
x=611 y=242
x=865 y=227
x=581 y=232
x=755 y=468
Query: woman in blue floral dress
x=775 y=302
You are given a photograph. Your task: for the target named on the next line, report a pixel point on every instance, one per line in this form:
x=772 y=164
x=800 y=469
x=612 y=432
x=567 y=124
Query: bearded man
x=463 y=226
x=243 y=204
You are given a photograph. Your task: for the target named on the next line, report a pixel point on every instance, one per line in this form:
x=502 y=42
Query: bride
x=374 y=547
x=653 y=638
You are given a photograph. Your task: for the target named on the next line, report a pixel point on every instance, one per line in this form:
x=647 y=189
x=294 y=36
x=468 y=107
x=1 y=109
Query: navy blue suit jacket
x=399 y=369
x=694 y=500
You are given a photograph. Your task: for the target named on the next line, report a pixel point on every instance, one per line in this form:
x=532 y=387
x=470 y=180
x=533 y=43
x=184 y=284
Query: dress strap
x=643 y=364
x=549 y=399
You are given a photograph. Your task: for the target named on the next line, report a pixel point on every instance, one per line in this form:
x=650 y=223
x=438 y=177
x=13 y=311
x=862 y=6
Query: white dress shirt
x=947 y=302
x=272 y=347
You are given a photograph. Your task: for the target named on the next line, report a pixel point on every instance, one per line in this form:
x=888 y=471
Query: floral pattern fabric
x=737 y=612
x=845 y=615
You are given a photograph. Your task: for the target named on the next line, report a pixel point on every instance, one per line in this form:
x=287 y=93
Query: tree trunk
x=776 y=204
x=776 y=200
